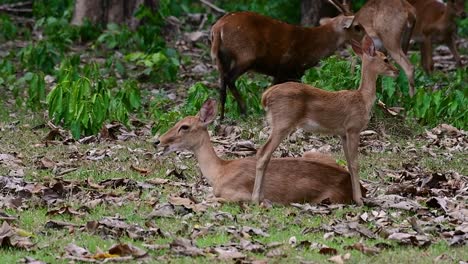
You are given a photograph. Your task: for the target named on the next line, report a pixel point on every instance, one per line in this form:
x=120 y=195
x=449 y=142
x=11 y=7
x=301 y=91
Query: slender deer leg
x=222 y=95
x=263 y=158
x=406 y=35
x=345 y=150
x=427 y=49
x=408 y=68
x=352 y=141
x=238 y=97
x=452 y=44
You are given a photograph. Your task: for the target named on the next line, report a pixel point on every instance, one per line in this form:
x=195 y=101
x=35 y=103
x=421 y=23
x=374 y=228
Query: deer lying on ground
x=435 y=23
x=390 y=24
x=345 y=113
x=244 y=41
x=313 y=178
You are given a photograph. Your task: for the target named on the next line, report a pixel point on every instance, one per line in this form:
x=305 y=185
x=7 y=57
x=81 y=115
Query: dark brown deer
x=244 y=41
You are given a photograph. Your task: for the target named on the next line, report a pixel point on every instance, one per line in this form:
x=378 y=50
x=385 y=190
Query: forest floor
x=113 y=197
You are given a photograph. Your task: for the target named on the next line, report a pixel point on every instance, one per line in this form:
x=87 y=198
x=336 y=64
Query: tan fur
x=345 y=113
x=311 y=179
x=435 y=23
x=244 y=41
x=391 y=22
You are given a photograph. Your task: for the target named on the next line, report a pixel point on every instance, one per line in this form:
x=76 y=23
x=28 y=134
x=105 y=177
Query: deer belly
x=313 y=126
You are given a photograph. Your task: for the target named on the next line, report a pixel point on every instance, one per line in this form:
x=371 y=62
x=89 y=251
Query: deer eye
x=357 y=28
x=184 y=128
x=385 y=60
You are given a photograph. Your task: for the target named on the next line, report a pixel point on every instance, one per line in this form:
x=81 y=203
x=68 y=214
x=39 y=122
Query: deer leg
x=453 y=48
x=344 y=143
x=408 y=68
x=238 y=97
x=222 y=95
x=427 y=51
x=352 y=142
x=406 y=35
x=263 y=158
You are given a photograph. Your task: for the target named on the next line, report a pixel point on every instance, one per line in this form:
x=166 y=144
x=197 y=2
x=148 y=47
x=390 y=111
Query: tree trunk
x=310 y=12
x=313 y=10
x=110 y=11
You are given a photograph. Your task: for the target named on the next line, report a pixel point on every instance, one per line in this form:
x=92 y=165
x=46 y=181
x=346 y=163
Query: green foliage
x=55 y=8
x=40 y=56
x=116 y=36
x=36 y=90
x=198 y=94
x=159 y=67
x=462 y=27
x=285 y=10
x=7 y=73
x=82 y=100
x=446 y=104
x=334 y=74
x=8 y=29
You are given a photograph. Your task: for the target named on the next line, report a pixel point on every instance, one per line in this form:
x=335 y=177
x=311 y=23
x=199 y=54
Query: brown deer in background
x=345 y=113
x=435 y=23
x=244 y=41
x=390 y=24
x=313 y=178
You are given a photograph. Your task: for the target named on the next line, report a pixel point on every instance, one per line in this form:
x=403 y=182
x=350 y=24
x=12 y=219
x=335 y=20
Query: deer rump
x=288 y=180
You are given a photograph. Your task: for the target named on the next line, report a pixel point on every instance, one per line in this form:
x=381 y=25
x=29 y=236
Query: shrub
x=82 y=100
x=40 y=56
x=8 y=29
x=159 y=67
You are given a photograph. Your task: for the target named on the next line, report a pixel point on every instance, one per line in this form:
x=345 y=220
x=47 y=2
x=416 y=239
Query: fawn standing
x=345 y=113
x=314 y=178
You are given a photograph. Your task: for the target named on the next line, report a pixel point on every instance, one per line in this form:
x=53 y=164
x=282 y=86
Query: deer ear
x=368 y=46
x=208 y=111
x=325 y=20
x=356 y=47
x=347 y=21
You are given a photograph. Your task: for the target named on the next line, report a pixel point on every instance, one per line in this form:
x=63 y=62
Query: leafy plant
x=7 y=73
x=55 y=8
x=36 y=90
x=165 y=114
x=160 y=66
x=8 y=29
x=40 y=56
x=446 y=104
x=82 y=100
x=116 y=36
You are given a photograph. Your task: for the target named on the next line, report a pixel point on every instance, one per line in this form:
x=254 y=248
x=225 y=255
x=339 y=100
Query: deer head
x=347 y=24
x=190 y=132
x=377 y=60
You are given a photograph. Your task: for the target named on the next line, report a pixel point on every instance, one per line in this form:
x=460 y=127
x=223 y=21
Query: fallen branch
x=17 y=7
x=212 y=6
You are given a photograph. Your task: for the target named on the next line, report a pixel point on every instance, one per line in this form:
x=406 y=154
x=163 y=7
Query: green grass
x=280 y=222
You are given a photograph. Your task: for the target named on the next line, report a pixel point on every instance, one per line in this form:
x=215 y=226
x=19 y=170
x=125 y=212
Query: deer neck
x=210 y=164
x=322 y=41
x=368 y=83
